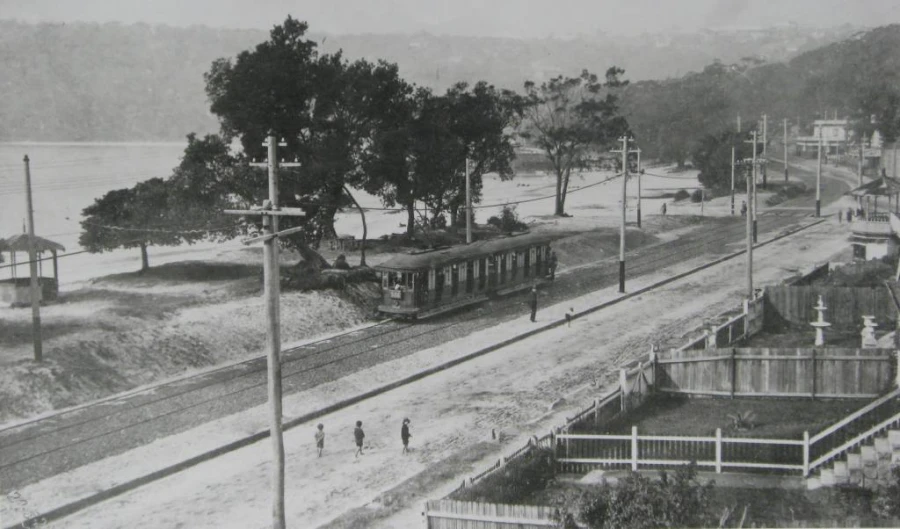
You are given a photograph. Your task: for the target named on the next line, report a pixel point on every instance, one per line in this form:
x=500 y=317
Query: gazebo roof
x=883 y=186
x=19 y=243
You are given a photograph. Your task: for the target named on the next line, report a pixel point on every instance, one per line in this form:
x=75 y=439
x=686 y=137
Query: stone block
x=883 y=448
x=826 y=477
x=854 y=461
x=813 y=483
x=869 y=456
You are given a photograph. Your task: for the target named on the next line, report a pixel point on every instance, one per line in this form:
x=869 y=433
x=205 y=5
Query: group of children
x=359 y=435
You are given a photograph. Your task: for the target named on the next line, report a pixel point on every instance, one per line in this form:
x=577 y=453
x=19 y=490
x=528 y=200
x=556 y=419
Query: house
x=835 y=135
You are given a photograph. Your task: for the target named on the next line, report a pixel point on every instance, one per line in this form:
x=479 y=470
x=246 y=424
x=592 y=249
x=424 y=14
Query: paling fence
x=846 y=305
x=782 y=372
x=581 y=453
x=450 y=514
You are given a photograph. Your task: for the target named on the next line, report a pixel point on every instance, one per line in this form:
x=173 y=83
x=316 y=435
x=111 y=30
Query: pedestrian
x=320 y=439
x=743 y=208
x=405 y=435
x=552 y=265
x=359 y=435
x=533 y=303
x=663 y=209
x=849 y=215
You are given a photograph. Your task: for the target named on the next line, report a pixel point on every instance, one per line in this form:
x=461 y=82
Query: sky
x=499 y=18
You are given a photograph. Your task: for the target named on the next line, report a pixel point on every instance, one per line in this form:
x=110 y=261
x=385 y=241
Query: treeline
x=114 y=82
x=693 y=118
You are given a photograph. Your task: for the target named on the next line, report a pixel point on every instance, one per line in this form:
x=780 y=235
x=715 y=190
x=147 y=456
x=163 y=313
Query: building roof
x=19 y=243
x=444 y=256
x=883 y=186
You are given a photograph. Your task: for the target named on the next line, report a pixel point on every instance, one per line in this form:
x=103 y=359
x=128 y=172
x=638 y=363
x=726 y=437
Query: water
x=68 y=177
x=65 y=179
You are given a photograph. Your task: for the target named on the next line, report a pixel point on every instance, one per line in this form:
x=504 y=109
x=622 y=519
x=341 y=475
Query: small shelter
x=884 y=186
x=15 y=290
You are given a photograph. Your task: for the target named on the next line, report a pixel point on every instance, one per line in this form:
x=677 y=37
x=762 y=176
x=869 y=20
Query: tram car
x=429 y=282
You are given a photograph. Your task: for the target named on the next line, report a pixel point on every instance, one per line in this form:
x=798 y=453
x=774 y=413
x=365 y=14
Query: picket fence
x=451 y=514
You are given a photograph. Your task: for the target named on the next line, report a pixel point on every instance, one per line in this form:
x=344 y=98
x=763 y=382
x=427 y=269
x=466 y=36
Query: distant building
x=835 y=134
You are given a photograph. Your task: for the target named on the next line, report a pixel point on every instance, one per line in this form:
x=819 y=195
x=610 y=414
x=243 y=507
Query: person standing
x=320 y=439
x=663 y=209
x=359 y=435
x=533 y=303
x=405 y=435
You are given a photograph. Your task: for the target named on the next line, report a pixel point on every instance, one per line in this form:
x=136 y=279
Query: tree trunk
x=145 y=259
x=565 y=191
x=362 y=213
x=410 y=220
x=559 y=203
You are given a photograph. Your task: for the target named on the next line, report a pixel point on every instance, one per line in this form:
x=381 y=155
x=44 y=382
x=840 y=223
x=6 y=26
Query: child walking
x=320 y=439
x=359 y=435
x=405 y=435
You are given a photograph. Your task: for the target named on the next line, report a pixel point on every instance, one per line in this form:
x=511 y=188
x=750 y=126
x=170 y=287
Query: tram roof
x=432 y=258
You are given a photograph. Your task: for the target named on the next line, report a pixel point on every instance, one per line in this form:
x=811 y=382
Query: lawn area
x=773 y=418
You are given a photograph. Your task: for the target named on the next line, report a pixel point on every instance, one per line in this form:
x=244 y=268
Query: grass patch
x=773 y=418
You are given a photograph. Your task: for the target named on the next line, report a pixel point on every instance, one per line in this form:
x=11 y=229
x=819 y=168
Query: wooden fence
x=846 y=305
x=582 y=453
x=800 y=372
x=450 y=514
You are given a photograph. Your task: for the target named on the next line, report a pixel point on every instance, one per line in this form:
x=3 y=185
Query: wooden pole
x=819 y=178
x=468 y=206
x=622 y=225
x=785 y=151
x=639 y=173
x=755 y=204
x=765 y=148
x=732 y=179
x=273 y=339
x=32 y=267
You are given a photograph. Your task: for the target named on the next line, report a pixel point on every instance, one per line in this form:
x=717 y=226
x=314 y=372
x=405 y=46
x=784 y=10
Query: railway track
x=38 y=449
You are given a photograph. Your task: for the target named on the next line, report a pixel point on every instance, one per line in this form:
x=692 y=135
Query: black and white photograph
x=390 y=264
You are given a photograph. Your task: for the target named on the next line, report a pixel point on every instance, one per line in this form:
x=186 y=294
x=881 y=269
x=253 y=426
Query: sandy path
x=510 y=389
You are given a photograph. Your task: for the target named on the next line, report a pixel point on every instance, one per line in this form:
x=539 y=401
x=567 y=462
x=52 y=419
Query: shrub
x=681 y=195
x=639 y=502
x=508 y=220
x=517 y=480
x=697 y=195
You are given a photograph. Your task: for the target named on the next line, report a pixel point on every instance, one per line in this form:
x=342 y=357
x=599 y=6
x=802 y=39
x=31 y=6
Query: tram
x=426 y=283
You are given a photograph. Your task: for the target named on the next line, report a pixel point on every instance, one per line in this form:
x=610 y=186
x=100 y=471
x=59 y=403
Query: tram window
x=408 y=280
x=395 y=280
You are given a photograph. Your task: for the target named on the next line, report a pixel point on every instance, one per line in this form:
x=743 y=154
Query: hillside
x=114 y=82
x=853 y=77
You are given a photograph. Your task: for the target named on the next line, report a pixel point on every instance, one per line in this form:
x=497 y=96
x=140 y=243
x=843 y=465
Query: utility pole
x=732 y=179
x=33 y=269
x=819 y=178
x=625 y=152
x=785 y=151
x=751 y=188
x=272 y=282
x=640 y=173
x=468 y=206
x=765 y=141
x=750 y=231
x=739 y=123
x=859 y=166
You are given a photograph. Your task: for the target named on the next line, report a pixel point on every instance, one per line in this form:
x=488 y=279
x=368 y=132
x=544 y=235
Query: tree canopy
x=572 y=118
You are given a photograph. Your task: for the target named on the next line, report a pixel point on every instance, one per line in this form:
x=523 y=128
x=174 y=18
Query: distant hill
x=114 y=82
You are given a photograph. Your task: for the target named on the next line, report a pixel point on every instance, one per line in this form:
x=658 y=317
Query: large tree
x=712 y=156
x=571 y=119
x=137 y=217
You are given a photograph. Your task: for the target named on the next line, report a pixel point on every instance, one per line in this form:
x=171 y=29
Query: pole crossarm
x=280 y=212
x=270 y=236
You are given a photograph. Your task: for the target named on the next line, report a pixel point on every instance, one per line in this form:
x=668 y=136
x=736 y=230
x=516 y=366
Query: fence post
x=623 y=388
x=813 y=374
x=897 y=353
x=718 y=450
x=596 y=412
x=805 y=454
x=653 y=367
x=733 y=370
x=746 y=304
x=634 y=449
x=639 y=383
